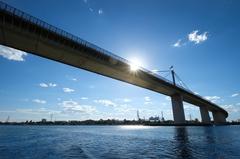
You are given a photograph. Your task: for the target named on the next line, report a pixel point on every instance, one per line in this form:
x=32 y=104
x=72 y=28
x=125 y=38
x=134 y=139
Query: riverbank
x=115 y=122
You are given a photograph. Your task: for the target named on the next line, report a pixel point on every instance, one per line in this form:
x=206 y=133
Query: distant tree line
x=111 y=122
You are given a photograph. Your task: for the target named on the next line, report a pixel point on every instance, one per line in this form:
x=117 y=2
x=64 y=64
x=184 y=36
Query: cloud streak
x=71 y=107
x=231 y=108
x=178 y=43
x=147 y=100
x=39 y=101
x=100 y=11
x=127 y=100
x=235 y=95
x=12 y=54
x=68 y=90
x=45 y=85
x=212 y=98
x=105 y=102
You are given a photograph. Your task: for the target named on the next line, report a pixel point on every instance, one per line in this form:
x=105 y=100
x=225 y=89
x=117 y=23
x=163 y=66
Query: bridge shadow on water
x=182 y=148
x=190 y=143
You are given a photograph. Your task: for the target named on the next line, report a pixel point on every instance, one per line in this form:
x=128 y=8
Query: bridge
x=24 y=32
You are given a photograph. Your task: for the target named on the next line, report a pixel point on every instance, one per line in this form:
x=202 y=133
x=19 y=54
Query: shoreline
x=148 y=124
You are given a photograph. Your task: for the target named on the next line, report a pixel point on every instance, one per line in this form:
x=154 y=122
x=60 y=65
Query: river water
x=70 y=142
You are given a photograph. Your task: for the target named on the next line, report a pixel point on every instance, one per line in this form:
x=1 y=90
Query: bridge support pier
x=177 y=107
x=219 y=118
x=205 y=115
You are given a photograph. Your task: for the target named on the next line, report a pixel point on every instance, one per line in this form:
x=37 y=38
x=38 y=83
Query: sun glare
x=135 y=127
x=135 y=64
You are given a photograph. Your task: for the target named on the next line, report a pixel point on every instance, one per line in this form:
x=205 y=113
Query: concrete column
x=218 y=117
x=205 y=115
x=177 y=108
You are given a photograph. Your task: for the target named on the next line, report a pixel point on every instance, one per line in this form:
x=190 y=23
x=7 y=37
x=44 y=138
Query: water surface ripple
x=109 y=142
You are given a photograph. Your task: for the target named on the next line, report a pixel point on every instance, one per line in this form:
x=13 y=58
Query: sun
x=135 y=64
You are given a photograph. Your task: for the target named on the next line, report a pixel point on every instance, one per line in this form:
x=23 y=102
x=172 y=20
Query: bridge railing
x=27 y=17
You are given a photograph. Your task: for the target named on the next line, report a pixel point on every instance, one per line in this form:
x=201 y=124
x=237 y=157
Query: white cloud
x=100 y=11
x=106 y=102
x=194 y=37
x=84 y=98
x=68 y=90
x=231 y=108
x=45 y=85
x=234 y=95
x=212 y=98
x=39 y=101
x=127 y=100
x=178 y=43
x=12 y=54
x=74 y=107
x=146 y=103
x=197 y=38
x=238 y=104
x=168 y=98
x=74 y=79
x=52 y=84
x=147 y=100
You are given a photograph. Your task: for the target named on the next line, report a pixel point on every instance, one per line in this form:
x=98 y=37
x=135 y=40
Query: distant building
x=154 y=119
x=44 y=120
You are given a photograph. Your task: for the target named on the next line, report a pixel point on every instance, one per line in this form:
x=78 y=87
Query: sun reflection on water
x=135 y=127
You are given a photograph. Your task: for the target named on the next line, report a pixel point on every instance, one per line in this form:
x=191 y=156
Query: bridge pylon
x=205 y=115
x=177 y=107
x=218 y=117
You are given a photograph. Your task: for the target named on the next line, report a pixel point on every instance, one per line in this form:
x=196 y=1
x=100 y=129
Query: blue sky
x=199 y=38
